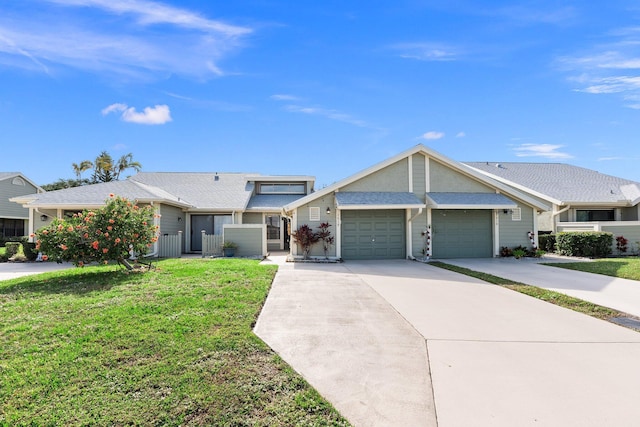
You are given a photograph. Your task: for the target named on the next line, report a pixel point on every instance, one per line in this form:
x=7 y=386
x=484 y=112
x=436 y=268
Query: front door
x=198 y=224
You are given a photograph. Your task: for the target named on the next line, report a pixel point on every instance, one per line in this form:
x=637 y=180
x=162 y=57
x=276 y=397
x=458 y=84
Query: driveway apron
x=350 y=344
x=500 y=358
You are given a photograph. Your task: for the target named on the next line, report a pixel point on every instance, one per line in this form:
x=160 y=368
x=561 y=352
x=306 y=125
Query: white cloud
x=284 y=97
x=549 y=151
x=126 y=45
x=612 y=67
x=150 y=12
x=329 y=114
x=461 y=135
x=156 y=115
x=426 y=51
x=433 y=135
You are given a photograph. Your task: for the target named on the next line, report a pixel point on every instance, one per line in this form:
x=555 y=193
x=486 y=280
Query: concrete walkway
x=493 y=357
x=612 y=292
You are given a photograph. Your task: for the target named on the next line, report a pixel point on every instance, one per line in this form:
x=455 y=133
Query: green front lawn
x=172 y=346
x=626 y=268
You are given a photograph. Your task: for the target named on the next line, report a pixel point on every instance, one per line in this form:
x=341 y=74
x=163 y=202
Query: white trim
x=408 y=231
x=410 y=170
x=429 y=227
x=496 y=233
x=427 y=183
x=471 y=207
x=371 y=207
x=293 y=246
x=338 y=234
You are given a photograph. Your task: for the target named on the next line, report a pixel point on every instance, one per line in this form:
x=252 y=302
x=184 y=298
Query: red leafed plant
x=305 y=237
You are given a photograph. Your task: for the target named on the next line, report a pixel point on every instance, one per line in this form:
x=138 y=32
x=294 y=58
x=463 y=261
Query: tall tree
x=126 y=162
x=84 y=165
x=103 y=168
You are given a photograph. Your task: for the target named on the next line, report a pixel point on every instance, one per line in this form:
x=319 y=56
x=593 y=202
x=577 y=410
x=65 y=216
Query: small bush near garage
x=547 y=242
x=591 y=244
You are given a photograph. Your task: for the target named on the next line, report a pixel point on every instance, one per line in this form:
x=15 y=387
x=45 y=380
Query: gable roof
x=563 y=184
x=202 y=190
x=9 y=175
x=196 y=191
x=95 y=195
x=460 y=167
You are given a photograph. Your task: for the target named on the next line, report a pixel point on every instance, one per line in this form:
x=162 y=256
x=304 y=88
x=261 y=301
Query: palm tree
x=79 y=168
x=126 y=162
x=103 y=168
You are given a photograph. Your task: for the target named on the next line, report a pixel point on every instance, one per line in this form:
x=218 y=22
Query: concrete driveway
x=612 y=292
x=404 y=343
x=11 y=270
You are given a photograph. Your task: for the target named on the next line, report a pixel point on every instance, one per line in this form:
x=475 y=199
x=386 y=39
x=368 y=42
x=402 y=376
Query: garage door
x=462 y=234
x=373 y=234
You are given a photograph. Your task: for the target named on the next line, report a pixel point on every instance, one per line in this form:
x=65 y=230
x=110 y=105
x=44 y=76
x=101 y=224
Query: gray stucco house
x=14 y=219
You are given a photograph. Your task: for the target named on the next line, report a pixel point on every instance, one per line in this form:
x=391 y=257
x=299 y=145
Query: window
x=314 y=214
x=273 y=227
x=516 y=214
x=282 y=188
x=18 y=181
x=219 y=221
x=595 y=215
x=12 y=227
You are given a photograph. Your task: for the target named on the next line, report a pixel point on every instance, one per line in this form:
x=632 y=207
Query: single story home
x=14 y=219
x=581 y=199
x=416 y=204
x=192 y=207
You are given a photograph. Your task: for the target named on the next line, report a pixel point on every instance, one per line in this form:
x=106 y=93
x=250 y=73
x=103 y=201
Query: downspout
x=555 y=214
x=410 y=255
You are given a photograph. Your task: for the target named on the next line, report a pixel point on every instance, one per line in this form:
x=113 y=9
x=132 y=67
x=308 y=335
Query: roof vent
x=498 y=165
x=216 y=178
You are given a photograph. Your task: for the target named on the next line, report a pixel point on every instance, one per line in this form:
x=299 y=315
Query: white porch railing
x=170 y=246
x=211 y=244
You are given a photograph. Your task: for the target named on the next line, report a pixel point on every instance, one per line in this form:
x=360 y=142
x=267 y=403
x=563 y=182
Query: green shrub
x=12 y=248
x=29 y=249
x=592 y=244
x=547 y=242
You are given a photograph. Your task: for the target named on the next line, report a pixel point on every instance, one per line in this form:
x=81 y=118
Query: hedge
x=591 y=244
x=547 y=242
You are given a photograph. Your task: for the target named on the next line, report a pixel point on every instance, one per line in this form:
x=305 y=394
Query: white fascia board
x=471 y=207
x=359 y=175
x=378 y=207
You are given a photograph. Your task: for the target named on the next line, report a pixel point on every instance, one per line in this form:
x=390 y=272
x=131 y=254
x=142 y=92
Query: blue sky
x=317 y=88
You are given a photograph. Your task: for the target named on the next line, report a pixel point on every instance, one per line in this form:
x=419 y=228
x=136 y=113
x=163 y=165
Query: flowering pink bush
x=100 y=235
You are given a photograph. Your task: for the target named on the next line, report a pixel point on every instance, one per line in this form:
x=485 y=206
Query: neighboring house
x=389 y=210
x=246 y=207
x=14 y=219
x=579 y=197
